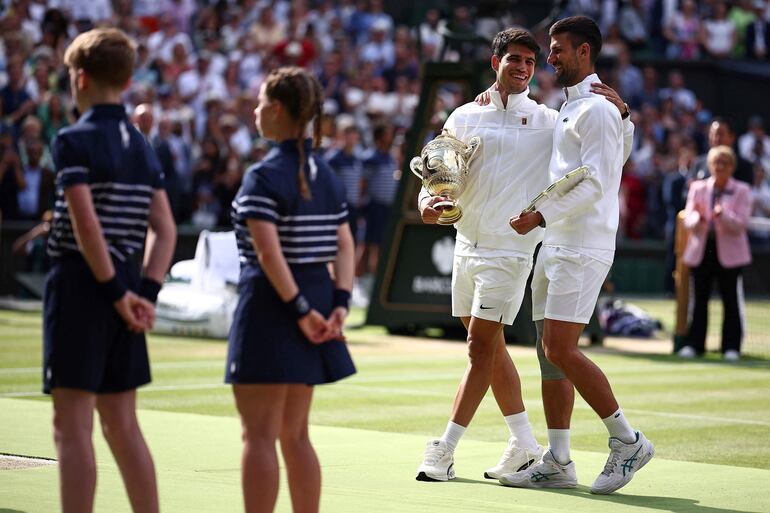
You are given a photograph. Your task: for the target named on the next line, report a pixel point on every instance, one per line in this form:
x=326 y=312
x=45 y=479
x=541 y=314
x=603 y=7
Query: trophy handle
x=416 y=166
x=472 y=150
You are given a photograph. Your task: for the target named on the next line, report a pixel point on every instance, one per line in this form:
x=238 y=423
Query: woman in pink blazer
x=716 y=216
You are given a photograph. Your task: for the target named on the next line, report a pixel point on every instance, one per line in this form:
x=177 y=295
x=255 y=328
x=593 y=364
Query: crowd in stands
x=200 y=65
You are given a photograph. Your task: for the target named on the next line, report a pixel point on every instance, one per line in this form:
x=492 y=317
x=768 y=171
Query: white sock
x=619 y=428
x=452 y=435
x=558 y=443
x=521 y=430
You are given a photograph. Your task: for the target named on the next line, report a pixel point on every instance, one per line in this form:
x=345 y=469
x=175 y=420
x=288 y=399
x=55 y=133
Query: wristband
x=112 y=289
x=149 y=289
x=627 y=113
x=298 y=306
x=341 y=298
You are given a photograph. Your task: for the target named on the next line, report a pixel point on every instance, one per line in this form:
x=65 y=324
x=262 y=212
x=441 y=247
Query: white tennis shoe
x=514 y=459
x=438 y=463
x=622 y=464
x=546 y=473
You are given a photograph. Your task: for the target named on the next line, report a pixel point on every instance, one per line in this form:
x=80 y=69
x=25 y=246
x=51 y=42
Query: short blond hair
x=107 y=55
x=722 y=150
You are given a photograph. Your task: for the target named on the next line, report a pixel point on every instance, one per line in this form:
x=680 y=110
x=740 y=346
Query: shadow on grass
x=676 y=504
x=6 y=510
x=746 y=362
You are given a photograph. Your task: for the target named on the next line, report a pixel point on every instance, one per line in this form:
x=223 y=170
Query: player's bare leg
x=302 y=467
x=483 y=336
x=73 y=416
x=117 y=414
x=261 y=408
x=560 y=342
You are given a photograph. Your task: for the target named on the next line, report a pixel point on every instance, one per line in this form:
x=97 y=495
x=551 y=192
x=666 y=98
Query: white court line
x=422 y=393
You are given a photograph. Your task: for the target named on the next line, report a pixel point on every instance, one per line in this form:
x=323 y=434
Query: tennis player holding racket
x=578 y=250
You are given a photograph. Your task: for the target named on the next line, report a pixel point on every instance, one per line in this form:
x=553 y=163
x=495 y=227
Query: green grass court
x=710 y=423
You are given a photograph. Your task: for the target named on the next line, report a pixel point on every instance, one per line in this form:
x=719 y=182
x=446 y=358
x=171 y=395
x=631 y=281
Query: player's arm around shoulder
x=601 y=136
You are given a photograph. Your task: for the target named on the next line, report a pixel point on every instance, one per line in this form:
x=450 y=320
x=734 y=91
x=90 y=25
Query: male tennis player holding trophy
x=491 y=267
x=577 y=252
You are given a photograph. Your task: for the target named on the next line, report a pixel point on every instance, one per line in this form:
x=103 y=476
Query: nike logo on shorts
x=486 y=307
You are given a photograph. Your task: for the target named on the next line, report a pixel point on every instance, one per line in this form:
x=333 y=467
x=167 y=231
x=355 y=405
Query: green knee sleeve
x=548 y=371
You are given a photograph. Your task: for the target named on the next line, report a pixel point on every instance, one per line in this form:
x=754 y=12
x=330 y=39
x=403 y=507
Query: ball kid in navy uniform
x=110 y=204
x=290 y=220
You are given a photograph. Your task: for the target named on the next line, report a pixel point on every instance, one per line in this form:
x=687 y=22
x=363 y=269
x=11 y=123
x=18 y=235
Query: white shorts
x=489 y=288
x=566 y=285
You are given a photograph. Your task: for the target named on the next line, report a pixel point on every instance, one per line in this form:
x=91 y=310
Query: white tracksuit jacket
x=509 y=171
x=587 y=133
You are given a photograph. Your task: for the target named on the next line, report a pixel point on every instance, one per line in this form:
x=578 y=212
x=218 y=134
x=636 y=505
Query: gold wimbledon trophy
x=443 y=166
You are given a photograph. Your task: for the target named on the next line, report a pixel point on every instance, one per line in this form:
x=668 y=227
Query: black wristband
x=149 y=289
x=112 y=289
x=298 y=306
x=341 y=298
x=627 y=113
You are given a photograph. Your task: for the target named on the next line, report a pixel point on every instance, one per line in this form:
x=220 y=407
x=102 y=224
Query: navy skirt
x=86 y=344
x=266 y=344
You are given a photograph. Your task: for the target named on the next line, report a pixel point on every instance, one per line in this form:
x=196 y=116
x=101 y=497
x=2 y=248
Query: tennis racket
x=558 y=188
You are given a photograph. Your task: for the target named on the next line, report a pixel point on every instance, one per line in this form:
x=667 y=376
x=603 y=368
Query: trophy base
x=450 y=214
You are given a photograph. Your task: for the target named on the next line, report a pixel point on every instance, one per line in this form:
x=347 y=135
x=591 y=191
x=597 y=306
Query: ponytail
x=291 y=86
x=304 y=188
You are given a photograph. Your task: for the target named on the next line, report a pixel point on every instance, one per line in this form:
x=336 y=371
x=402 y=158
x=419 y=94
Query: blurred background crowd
x=200 y=65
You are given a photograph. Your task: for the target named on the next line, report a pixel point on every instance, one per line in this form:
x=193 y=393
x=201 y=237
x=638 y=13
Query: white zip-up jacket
x=587 y=133
x=509 y=171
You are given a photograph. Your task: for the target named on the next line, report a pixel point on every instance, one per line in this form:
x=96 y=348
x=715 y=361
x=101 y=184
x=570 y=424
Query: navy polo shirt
x=307 y=229
x=379 y=170
x=350 y=170
x=105 y=151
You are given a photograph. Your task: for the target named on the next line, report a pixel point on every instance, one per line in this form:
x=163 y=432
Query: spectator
x=672 y=195
x=683 y=32
x=650 y=93
x=719 y=34
x=10 y=174
x=346 y=162
x=267 y=32
x=53 y=115
x=721 y=133
x=380 y=185
x=754 y=145
x=144 y=120
x=429 y=37
x=632 y=203
x=632 y=25
x=630 y=80
x=612 y=43
x=760 y=239
x=379 y=50
x=682 y=97
x=36 y=188
x=716 y=216
x=742 y=15
x=16 y=102
x=758 y=33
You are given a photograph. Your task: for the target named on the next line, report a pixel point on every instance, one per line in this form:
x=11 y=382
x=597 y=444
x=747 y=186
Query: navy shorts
x=266 y=344
x=86 y=344
x=377 y=215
